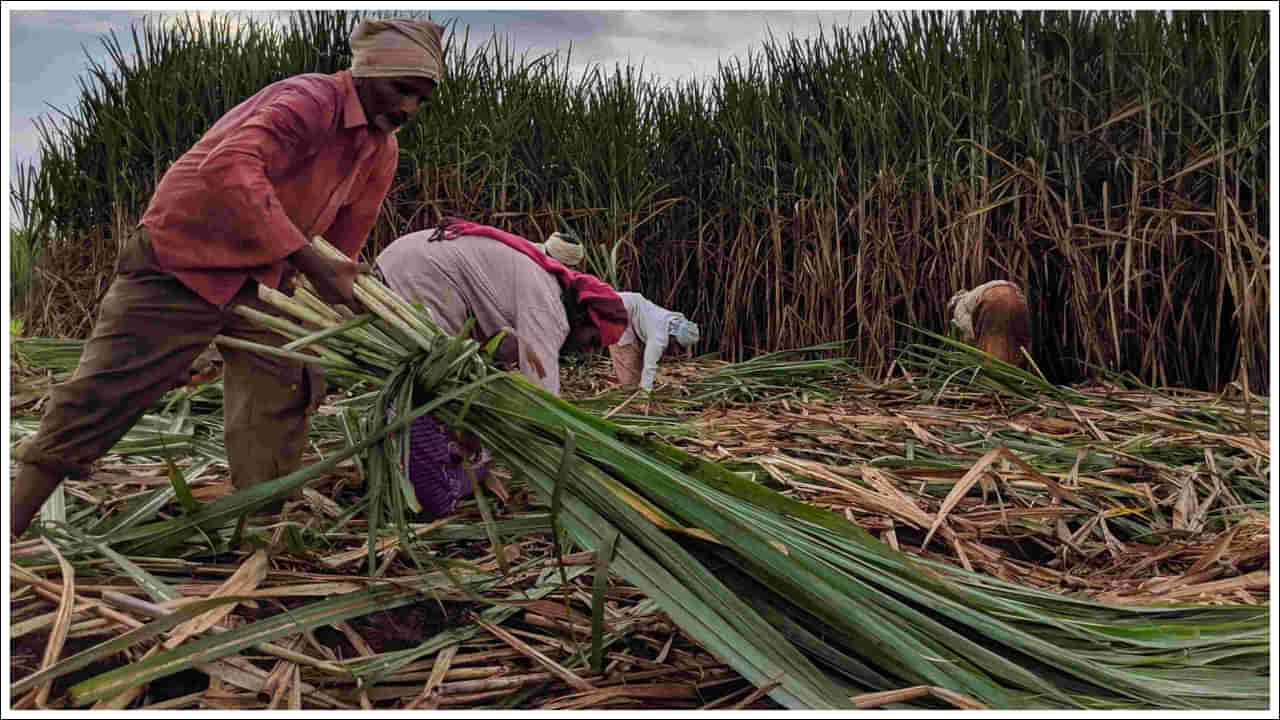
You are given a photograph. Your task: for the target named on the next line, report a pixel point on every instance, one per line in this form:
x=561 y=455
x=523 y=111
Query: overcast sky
x=49 y=45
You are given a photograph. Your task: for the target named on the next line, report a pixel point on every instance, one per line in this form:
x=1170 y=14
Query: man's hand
x=334 y=280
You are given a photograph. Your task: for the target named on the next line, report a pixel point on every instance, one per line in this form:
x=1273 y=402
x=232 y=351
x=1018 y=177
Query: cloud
x=676 y=45
x=237 y=18
x=24 y=144
x=79 y=22
x=23 y=139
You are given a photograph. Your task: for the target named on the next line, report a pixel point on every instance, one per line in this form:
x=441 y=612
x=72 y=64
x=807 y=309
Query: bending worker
x=312 y=154
x=468 y=269
x=649 y=327
x=995 y=318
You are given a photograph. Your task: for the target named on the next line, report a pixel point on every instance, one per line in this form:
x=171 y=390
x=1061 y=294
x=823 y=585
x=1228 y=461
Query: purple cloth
x=437 y=466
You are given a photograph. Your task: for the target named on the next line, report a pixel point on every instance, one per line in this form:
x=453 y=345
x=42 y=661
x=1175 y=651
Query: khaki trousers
x=150 y=327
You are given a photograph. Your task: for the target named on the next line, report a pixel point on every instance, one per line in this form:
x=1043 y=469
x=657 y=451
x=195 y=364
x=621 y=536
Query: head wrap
x=684 y=331
x=397 y=48
x=565 y=249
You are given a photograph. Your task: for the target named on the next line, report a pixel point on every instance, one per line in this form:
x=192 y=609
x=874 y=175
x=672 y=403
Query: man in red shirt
x=310 y=155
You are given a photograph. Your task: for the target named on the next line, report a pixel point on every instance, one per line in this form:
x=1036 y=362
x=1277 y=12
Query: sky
x=50 y=46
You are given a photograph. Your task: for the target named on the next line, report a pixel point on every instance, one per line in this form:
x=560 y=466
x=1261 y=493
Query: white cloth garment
x=650 y=324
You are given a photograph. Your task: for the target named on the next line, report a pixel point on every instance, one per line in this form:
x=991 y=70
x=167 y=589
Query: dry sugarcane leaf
x=910 y=511
x=295 y=690
x=318 y=501
x=249 y=575
x=1216 y=553
x=356 y=639
x=52 y=591
x=350 y=556
x=756 y=694
x=324 y=589
x=500 y=681
x=238 y=671
x=1257 y=580
x=965 y=483
x=555 y=668
x=496 y=486
x=280 y=679
x=1059 y=492
x=58 y=636
x=664 y=691
x=1184 y=507
x=39 y=622
x=428 y=699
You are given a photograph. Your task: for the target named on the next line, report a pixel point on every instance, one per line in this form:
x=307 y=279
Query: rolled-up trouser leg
x=149 y=329
x=268 y=402
x=628 y=362
x=28 y=491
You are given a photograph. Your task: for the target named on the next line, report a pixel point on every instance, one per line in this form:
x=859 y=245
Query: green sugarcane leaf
x=491 y=345
x=153 y=586
x=180 y=488
x=491 y=528
x=604 y=556
x=557 y=497
x=331 y=331
x=696 y=601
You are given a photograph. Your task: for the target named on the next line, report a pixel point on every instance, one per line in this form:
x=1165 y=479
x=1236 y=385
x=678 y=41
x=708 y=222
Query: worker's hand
x=334 y=280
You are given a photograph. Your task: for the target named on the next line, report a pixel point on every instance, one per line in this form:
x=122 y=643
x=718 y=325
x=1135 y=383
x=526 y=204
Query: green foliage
x=1114 y=163
x=21 y=268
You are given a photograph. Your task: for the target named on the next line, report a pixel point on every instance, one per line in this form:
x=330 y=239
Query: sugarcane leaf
x=54 y=509
x=491 y=345
x=557 y=497
x=221 y=511
x=180 y=487
x=373 y=669
x=702 y=607
x=145 y=507
x=153 y=586
x=495 y=537
x=120 y=642
x=215 y=646
x=334 y=330
x=604 y=556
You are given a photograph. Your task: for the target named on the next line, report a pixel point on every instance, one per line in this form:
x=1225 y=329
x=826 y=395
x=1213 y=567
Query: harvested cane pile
x=710 y=550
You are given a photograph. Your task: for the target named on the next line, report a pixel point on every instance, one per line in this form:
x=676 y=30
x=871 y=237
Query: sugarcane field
x=361 y=361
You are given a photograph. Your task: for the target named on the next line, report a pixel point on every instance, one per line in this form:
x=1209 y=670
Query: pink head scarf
x=397 y=48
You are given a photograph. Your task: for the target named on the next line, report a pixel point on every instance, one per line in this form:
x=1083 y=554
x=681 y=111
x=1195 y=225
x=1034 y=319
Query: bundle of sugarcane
x=800 y=601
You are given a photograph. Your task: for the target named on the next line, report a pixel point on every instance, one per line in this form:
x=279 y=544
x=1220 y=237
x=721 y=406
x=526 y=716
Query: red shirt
x=297 y=159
